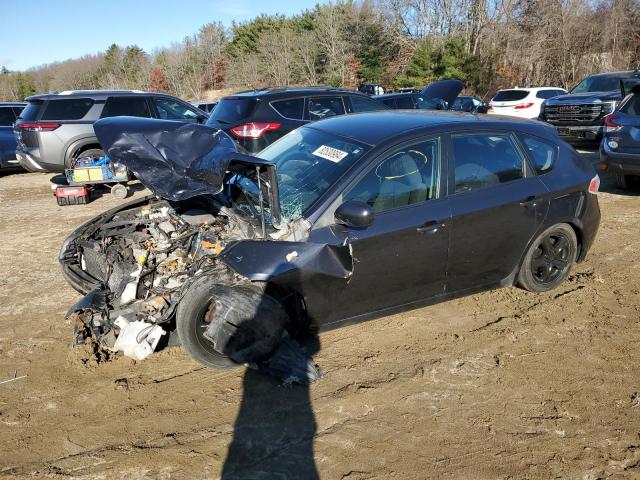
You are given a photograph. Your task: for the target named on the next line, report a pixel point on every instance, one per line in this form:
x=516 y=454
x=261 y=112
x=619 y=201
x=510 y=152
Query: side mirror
x=482 y=108
x=354 y=214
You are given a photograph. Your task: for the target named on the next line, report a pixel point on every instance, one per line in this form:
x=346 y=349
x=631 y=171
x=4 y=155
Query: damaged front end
x=136 y=263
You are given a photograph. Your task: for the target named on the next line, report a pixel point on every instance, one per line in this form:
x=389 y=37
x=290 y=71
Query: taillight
x=610 y=123
x=253 y=129
x=520 y=106
x=39 y=127
x=594 y=185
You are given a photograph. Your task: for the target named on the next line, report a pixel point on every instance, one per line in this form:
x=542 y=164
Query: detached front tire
x=549 y=259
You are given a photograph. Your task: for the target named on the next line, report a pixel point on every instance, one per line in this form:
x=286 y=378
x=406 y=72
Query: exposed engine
x=143 y=257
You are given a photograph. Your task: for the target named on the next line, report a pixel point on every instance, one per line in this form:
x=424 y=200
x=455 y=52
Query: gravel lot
x=504 y=384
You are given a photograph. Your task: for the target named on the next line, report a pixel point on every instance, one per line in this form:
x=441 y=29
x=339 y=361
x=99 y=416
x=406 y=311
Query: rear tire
x=549 y=259
x=94 y=153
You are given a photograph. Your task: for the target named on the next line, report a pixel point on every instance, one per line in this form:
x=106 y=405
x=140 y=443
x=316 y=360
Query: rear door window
x=324 y=107
x=126 y=106
x=546 y=94
x=364 y=104
x=485 y=159
x=67 y=109
x=292 y=108
x=7 y=117
x=510 y=95
x=169 y=109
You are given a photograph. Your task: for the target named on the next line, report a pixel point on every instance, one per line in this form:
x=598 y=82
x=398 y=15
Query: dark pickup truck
x=579 y=115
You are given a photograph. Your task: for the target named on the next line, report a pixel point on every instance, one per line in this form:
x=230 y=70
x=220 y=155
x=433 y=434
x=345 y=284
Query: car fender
x=288 y=262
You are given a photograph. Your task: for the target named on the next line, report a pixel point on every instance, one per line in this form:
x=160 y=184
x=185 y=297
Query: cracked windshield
x=308 y=163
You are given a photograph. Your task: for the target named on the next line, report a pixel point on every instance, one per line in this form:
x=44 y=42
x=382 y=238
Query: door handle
x=530 y=201
x=430 y=228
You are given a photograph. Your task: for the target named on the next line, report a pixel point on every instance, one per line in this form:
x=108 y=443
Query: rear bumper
x=30 y=163
x=619 y=162
x=590 y=221
x=9 y=163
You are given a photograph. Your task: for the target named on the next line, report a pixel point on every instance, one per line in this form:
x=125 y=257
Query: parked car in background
x=522 y=102
x=470 y=104
x=579 y=115
x=620 y=147
x=55 y=129
x=257 y=118
x=340 y=221
x=205 y=106
x=9 y=112
x=371 y=88
x=435 y=96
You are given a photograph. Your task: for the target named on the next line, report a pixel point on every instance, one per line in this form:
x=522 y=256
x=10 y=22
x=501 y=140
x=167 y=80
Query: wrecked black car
x=340 y=221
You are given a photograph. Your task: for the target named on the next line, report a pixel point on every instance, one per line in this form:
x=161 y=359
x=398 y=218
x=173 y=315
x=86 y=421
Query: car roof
x=623 y=74
x=530 y=89
x=13 y=104
x=94 y=94
x=284 y=91
x=393 y=95
x=374 y=128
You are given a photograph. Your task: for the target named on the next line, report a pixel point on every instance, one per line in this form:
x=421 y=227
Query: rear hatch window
x=67 y=109
x=232 y=110
x=31 y=111
x=510 y=95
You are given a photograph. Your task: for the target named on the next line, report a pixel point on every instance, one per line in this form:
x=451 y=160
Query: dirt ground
x=500 y=385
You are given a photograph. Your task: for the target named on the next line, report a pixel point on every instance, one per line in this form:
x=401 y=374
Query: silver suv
x=55 y=129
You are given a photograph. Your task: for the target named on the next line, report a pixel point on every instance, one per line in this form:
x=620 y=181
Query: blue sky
x=55 y=30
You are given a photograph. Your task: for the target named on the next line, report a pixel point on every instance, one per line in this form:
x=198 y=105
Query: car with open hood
x=257 y=118
x=339 y=221
x=438 y=95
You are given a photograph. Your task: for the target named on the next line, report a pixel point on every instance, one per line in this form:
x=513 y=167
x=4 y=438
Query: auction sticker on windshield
x=330 y=153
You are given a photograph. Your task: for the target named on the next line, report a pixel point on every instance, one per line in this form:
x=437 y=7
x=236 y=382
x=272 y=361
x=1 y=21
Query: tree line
x=489 y=44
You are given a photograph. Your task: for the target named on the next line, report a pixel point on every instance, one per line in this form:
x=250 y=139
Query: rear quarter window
x=67 y=109
x=510 y=95
x=292 y=108
x=30 y=112
x=543 y=154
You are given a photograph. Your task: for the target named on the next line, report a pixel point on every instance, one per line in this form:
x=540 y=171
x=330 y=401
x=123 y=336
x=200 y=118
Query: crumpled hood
x=586 y=97
x=446 y=90
x=174 y=160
